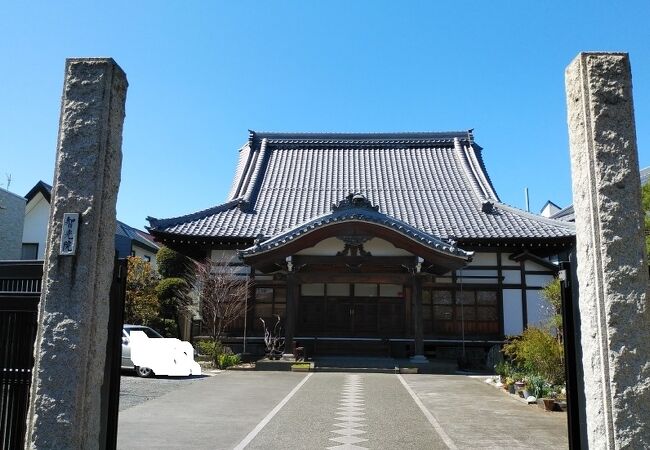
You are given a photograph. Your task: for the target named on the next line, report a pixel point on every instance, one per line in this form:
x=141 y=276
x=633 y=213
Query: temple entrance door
x=340 y=314
x=353 y=316
x=364 y=317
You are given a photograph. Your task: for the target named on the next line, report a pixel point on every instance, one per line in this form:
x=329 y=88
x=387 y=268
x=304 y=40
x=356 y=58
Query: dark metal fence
x=20 y=289
x=20 y=286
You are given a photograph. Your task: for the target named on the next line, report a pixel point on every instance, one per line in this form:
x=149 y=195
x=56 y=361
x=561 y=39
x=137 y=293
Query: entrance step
x=355 y=364
x=382 y=365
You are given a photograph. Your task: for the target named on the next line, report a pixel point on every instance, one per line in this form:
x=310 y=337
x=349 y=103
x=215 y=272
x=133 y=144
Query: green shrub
x=538 y=352
x=171 y=264
x=537 y=386
x=169 y=288
x=210 y=348
x=167 y=327
x=220 y=355
x=225 y=360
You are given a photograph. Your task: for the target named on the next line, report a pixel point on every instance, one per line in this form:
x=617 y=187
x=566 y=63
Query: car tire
x=143 y=372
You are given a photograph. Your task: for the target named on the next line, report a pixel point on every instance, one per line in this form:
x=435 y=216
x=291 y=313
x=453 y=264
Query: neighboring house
x=37 y=217
x=128 y=240
x=375 y=243
x=132 y=242
x=12 y=213
x=549 y=209
x=568 y=215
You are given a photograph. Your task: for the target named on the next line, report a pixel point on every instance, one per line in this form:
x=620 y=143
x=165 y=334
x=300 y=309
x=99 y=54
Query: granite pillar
x=612 y=270
x=65 y=403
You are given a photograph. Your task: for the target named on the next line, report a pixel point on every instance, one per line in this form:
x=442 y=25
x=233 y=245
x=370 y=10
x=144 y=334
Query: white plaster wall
x=538 y=280
x=506 y=261
x=532 y=265
x=376 y=246
x=512 y=276
x=380 y=247
x=484 y=259
x=141 y=252
x=37 y=218
x=466 y=274
x=219 y=255
x=539 y=310
x=326 y=247
x=512 y=314
x=232 y=257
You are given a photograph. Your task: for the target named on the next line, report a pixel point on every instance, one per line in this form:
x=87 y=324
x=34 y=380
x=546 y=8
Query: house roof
x=434 y=182
x=42 y=187
x=549 y=203
x=566 y=215
x=136 y=236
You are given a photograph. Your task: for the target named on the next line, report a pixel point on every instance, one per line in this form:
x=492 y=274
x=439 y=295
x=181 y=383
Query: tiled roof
x=435 y=182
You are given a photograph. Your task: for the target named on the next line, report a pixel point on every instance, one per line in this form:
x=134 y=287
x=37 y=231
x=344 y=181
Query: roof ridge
x=410 y=135
x=483 y=177
x=255 y=169
x=461 y=153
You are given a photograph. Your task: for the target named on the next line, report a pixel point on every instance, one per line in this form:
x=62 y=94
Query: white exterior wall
x=506 y=261
x=539 y=309
x=376 y=246
x=483 y=259
x=141 y=252
x=37 y=218
x=513 y=322
x=232 y=257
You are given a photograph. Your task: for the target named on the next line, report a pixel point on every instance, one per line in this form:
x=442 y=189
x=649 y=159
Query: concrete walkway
x=271 y=410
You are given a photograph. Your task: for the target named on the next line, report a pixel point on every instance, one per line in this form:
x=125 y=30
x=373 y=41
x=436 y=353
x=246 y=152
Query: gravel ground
x=135 y=390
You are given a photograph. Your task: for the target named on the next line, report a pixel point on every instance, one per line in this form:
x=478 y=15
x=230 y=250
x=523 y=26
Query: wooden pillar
x=418 y=325
x=290 y=321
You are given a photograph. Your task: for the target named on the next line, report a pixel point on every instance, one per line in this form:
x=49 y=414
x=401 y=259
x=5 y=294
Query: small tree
x=223 y=294
x=173 y=289
x=141 y=306
x=538 y=351
x=552 y=292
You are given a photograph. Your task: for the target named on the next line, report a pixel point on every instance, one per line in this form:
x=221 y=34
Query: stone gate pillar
x=70 y=348
x=612 y=270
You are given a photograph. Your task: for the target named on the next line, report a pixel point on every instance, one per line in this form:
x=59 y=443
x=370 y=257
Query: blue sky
x=202 y=74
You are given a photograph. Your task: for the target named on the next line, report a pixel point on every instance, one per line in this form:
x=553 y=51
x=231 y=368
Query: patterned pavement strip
x=349 y=419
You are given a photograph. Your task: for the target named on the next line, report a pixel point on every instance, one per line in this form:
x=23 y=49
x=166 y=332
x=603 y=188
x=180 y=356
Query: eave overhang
x=356 y=217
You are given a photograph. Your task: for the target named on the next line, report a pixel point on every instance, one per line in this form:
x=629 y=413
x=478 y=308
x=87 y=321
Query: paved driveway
x=275 y=410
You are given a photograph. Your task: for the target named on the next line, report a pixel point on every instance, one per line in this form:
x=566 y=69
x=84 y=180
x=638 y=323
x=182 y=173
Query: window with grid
x=269 y=301
x=446 y=314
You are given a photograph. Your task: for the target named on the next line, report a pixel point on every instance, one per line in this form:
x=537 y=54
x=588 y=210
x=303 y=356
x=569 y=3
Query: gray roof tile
x=435 y=182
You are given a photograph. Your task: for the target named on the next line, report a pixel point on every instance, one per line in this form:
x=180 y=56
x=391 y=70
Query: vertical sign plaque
x=69 y=234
